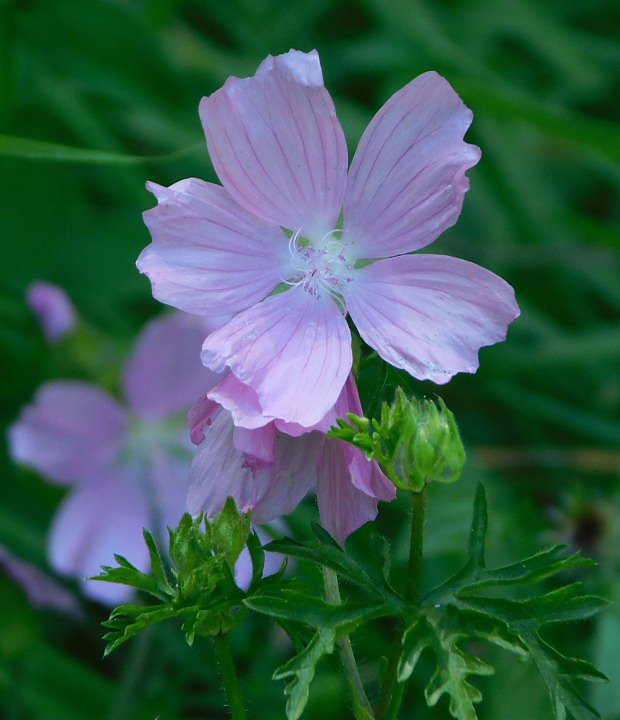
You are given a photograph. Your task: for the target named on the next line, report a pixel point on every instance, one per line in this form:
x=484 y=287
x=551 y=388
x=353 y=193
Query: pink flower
x=280 y=152
x=269 y=472
x=52 y=308
x=127 y=464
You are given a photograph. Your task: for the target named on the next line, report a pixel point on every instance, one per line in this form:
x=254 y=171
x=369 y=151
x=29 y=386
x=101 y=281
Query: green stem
x=392 y=691
x=361 y=706
x=229 y=677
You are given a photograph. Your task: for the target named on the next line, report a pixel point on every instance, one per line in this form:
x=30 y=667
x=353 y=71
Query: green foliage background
x=98 y=96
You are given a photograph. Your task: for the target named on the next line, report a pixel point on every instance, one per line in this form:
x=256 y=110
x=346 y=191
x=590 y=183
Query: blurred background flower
x=87 y=90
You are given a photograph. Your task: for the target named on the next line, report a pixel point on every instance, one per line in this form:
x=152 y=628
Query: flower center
x=323 y=266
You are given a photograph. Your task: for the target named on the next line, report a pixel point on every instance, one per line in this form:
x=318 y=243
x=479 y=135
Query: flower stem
x=392 y=691
x=229 y=677
x=362 y=708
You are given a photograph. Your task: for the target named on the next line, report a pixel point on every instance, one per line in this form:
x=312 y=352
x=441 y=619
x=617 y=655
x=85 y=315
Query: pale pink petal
x=103 y=517
x=164 y=374
x=342 y=506
x=293 y=349
x=295 y=474
x=41 y=589
x=53 y=309
x=260 y=442
x=276 y=143
x=70 y=431
x=240 y=400
x=200 y=417
x=220 y=471
x=209 y=256
x=367 y=476
x=407 y=179
x=430 y=314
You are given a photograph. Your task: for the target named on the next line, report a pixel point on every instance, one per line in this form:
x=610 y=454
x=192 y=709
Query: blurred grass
x=97 y=97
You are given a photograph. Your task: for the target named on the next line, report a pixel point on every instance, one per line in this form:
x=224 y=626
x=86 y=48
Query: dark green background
x=541 y=418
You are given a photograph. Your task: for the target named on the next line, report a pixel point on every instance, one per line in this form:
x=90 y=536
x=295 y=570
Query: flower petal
x=430 y=314
x=342 y=506
x=70 y=431
x=209 y=255
x=200 y=417
x=276 y=143
x=164 y=374
x=293 y=349
x=259 y=443
x=240 y=400
x=53 y=309
x=102 y=517
x=294 y=476
x=220 y=471
x=407 y=179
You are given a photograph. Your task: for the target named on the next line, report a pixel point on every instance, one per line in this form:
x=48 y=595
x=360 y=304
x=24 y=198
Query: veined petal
x=342 y=506
x=164 y=374
x=295 y=474
x=240 y=400
x=293 y=349
x=259 y=443
x=102 y=517
x=276 y=143
x=407 y=179
x=220 y=471
x=430 y=314
x=200 y=417
x=70 y=431
x=209 y=256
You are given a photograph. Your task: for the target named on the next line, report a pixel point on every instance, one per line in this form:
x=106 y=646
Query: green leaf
x=229 y=532
x=299 y=607
x=301 y=670
x=27 y=149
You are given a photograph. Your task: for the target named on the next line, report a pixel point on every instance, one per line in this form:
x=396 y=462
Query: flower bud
x=426 y=445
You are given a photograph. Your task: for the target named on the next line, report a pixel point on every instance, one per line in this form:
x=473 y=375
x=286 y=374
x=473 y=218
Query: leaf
x=299 y=607
x=301 y=670
x=27 y=149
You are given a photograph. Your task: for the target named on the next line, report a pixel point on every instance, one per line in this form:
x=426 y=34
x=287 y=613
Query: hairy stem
x=361 y=705
x=392 y=691
x=229 y=677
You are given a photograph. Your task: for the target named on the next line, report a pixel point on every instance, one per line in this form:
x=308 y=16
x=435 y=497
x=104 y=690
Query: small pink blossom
x=269 y=250
x=269 y=472
x=126 y=463
x=53 y=309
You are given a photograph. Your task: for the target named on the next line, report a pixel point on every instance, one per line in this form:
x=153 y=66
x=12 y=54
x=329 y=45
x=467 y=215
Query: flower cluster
x=287 y=247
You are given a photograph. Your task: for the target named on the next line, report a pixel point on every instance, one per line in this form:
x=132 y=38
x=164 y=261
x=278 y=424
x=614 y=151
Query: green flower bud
x=425 y=443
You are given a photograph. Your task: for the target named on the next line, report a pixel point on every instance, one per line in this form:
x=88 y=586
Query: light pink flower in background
x=53 y=309
x=269 y=472
x=41 y=590
x=127 y=464
x=283 y=247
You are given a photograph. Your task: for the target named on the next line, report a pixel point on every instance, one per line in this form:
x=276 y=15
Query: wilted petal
x=407 y=179
x=295 y=474
x=70 y=431
x=53 y=309
x=209 y=256
x=200 y=417
x=103 y=517
x=164 y=374
x=42 y=590
x=342 y=506
x=430 y=314
x=220 y=471
x=293 y=349
x=276 y=143
x=259 y=443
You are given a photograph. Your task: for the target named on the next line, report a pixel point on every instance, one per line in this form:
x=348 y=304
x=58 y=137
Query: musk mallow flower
x=292 y=242
x=268 y=472
x=126 y=463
